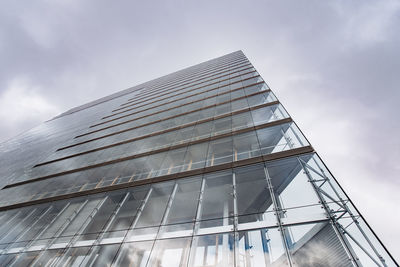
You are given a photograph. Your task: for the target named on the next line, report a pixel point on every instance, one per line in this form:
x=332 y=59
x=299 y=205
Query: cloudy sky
x=333 y=64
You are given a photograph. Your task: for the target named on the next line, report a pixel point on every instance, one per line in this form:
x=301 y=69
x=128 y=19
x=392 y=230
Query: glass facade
x=202 y=167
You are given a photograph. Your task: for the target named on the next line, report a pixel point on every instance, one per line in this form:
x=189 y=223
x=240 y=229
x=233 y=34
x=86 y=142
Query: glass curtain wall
x=203 y=167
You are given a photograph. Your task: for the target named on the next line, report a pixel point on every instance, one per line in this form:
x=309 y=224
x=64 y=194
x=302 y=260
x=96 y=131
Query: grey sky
x=333 y=64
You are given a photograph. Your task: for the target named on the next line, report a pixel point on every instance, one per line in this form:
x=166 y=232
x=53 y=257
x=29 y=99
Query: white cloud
x=22 y=106
x=370 y=23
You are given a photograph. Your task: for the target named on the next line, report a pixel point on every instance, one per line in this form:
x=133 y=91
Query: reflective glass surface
x=202 y=167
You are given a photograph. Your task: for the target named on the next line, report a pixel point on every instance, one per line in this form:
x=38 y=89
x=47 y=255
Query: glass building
x=201 y=167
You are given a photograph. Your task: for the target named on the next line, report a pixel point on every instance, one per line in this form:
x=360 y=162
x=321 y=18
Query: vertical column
x=112 y=218
x=19 y=223
x=59 y=232
x=353 y=258
x=30 y=227
x=342 y=204
x=277 y=213
x=170 y=201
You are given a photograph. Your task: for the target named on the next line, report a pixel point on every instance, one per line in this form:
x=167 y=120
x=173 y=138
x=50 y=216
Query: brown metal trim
x=193 y=71
x=142 y=125
x=152 y=152
x=157 y=94
x=181 y=105
x=154 y=90
x=151 y=89
x=134 y=89
x=179 y=92
x=274 y=156
x=181 y=114
x=170 y=129
x=195 y=74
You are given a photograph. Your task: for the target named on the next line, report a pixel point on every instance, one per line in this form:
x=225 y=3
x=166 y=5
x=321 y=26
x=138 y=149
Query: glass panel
x=142 y=234
x=7 y=259
x=271 y=139
x=255 y=88
x=101 y=255
x=260 y=248
x=217 y=199
x=13 y=221
x=184 y=202
x=259 y=99
x=222 y=126
x=103 y=215
x=18 y=227
x=73 y=257
x=295 y=196
x=315 y=245
x=172 y=162
x=268 y=114
x=135 y=254
x=214 y=226
x=195 y=157
x=202 y=130
x=79 y=221
x=176 y=230
x=245 y=146
x=212 y=250
x=241 y=121
x=25 y=259
x=154 y=208
x=170 y=252
x=48 y=256
x=280 y=138
x=355 y=233
x=252 y=190
x=220 y=151
x=58 y=222
x=127 y=213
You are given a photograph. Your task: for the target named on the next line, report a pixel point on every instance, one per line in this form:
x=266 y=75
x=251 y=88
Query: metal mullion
x=331 y=198
x=133 y=225
x=59 y=232
x=358 y=225
x=82 y=228
x=336 y=226
x=141 y=208
x=11 y=219
x=257 y=159
x=345 y=207
x=160 y=112
x=112 y=218
x=360 y=246
x=170 y=102
x=167 y=130
x=182 y=86
x=30 y=227
x=277 y=215
x=199 y=206
x=165 y=216
x=204 y=72
x=185 y=113
x=178 y=91
x=146 y=124
x=169 y=204
x=198 y=217
x=287 y=139
x=147 y=96
x=19 y=223
x=45 y=228
x=235 y=205
x=235 y=219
